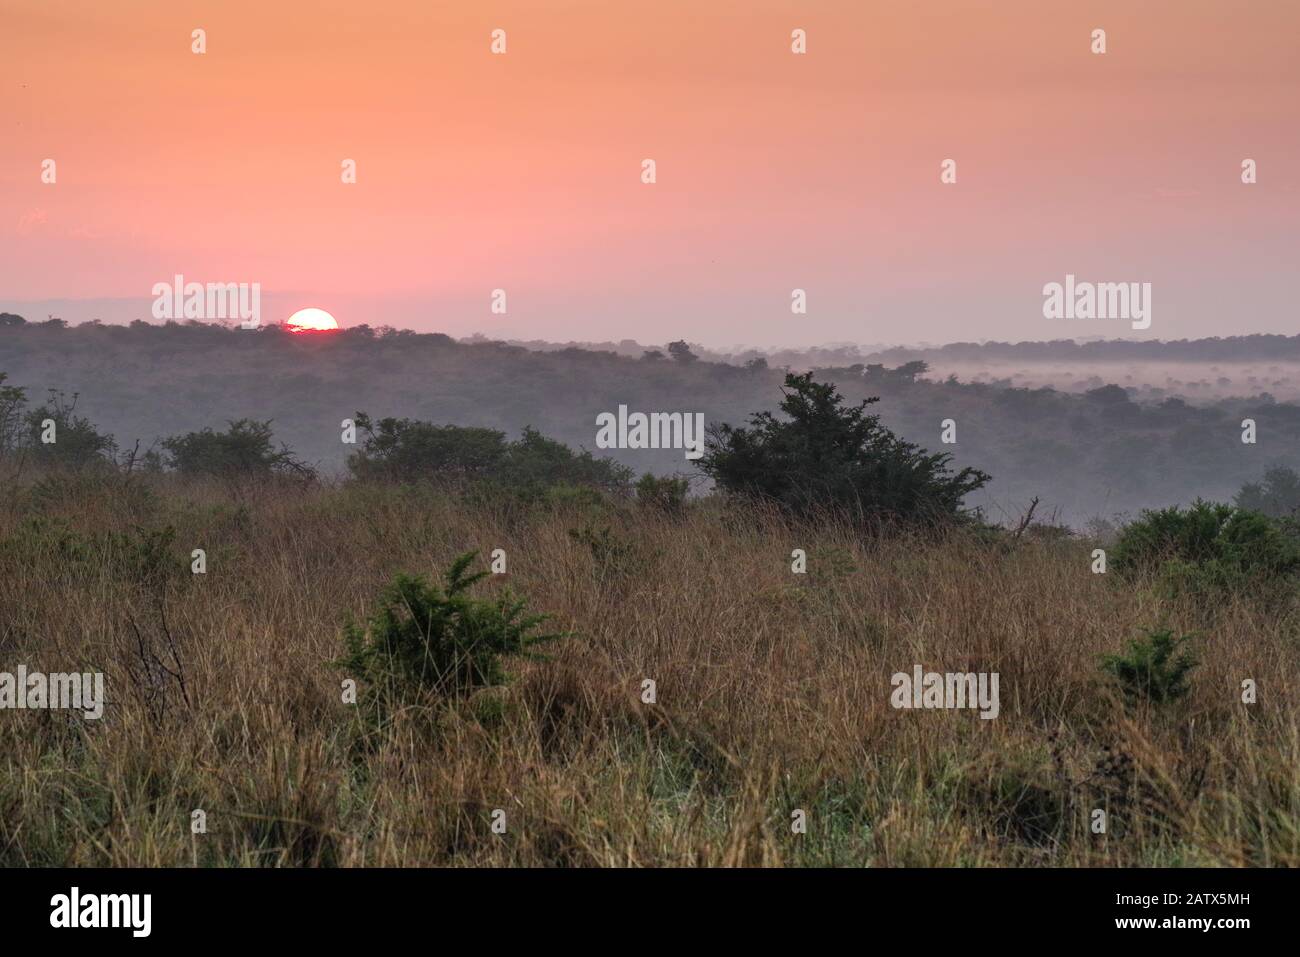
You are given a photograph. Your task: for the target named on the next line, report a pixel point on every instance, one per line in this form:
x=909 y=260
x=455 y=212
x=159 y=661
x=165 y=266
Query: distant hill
x=1258 y=348
x=1088 y=449
x=1228 y=349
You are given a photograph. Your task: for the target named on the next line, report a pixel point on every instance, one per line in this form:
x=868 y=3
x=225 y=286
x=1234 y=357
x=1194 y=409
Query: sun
x=311 y=320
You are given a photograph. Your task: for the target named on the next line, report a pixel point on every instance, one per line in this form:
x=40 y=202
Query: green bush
x=77 y=443
x=147 y=556
x=667 y=494
x=245 y=450
x=828 y=457
x=408 y=450
x=1208 y=547
x=428 y=642
x=1151 y=670
x=538 y=462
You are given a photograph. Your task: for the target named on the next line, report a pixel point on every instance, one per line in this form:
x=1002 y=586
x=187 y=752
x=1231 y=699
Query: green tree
x=681 y=351
x=242 y=451
x=537 y=461
x=667 y=494
x=908 y=371
x=1277 y=495
x=76 y=442
x=828 y=456
x=406 y=450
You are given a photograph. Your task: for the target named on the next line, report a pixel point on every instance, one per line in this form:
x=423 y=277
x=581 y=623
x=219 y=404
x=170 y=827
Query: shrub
x=1277 y=495
x=147 y=556
x=424 y=641
x=407 y=450
x=77 y=443
x=1208 y=547
x=244 y=450
x=537 y=462
x=667 y=494
x=828 y=457
x=13 y=399
x=1151 y=670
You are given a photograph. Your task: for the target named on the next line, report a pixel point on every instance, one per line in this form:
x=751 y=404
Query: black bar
x=618 y=908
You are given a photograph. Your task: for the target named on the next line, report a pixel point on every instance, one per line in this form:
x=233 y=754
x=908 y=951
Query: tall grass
x=772 y=693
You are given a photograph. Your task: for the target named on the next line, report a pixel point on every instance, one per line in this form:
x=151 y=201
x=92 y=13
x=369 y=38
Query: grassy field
x=772 y=693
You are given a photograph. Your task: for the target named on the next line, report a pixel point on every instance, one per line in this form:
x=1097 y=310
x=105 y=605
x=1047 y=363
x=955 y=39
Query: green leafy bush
x=667 y=494
x=1208 y=547
x=537 y=462
x=245 y=450
x=829 y=457
x=77 y=443
x=408 y=450
x=147 y=556
x=425 y=641
x=1153 y=669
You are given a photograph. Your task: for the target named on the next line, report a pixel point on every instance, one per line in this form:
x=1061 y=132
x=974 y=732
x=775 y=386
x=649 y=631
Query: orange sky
x=775 y=171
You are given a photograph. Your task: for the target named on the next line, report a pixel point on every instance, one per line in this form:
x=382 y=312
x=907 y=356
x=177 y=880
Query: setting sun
x=311 y=320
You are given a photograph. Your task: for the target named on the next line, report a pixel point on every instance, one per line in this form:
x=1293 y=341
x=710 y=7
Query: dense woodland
x=1096 y=453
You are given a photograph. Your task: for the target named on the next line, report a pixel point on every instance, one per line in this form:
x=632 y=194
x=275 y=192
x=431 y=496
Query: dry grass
x=773 y=694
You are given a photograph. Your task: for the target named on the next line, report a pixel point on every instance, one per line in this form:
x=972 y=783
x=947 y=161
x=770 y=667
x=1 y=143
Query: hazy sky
x=775 y=171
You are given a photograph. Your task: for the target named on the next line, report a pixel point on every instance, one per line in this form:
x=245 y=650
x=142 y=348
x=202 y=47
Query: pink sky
x=775 y=171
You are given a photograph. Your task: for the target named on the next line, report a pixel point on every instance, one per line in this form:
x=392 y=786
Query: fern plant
x=424 y=641
x=1153 y=668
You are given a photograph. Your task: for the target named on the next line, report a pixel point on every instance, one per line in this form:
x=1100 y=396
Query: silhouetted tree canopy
x=1159 y=436
x=681 y=351
x=1276 y=495
x=243 y=450
x=407 y=450
x=829 y=456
